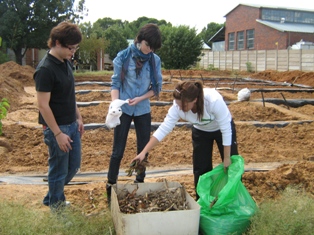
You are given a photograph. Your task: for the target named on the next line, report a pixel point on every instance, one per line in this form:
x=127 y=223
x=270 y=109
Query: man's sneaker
x=59 y=207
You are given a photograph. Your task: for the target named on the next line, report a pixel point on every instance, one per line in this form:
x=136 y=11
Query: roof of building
x=272 y=7
x=219 y=36
x=205 y=46
x=288 y=27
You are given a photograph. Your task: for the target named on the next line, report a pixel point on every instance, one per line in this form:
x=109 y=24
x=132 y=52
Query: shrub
x=249 y=67
x=4 y=106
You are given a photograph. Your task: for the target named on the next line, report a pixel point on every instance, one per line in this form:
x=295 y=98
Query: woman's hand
x=134 y=101
x=227 y=160
x=227 y=163
x=139 y=157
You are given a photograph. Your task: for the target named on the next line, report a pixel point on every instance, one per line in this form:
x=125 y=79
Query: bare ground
x=276 y=141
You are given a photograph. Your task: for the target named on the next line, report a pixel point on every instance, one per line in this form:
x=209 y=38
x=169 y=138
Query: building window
x=250 y=39
x=304 y=17
x=291 y=16
x=231 y=41
x=240 y=38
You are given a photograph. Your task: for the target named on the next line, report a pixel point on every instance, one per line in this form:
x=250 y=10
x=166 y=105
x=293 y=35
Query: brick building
x=256 y=27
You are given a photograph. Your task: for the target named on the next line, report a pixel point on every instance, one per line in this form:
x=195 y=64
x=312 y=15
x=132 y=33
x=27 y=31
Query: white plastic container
x=180 y=222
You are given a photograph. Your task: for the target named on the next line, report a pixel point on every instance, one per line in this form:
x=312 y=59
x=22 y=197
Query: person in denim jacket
x=137 y=77
x=58 y=112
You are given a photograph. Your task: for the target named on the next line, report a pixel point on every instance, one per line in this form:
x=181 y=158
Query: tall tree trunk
x=18 y=55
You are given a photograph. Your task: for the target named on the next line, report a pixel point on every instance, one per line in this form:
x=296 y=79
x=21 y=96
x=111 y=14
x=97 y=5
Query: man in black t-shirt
x=58 y=112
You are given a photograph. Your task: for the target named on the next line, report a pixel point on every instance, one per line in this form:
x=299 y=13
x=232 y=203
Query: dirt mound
x=23 y=74
x=272 y=183
x=295 y=77
x=13 y=78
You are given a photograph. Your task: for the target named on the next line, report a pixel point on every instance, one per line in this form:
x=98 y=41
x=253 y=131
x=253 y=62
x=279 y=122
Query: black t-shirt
x=56 y=77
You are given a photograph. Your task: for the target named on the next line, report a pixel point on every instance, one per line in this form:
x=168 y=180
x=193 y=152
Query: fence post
x=276 y=60
x=288 y=59
x=255 y=60
x=265 y=65
x=239 y=60
x=300 y=64
x=219 y=60
x=232 y=61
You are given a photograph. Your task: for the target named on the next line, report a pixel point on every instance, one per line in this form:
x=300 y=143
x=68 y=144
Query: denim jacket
x=134 y=86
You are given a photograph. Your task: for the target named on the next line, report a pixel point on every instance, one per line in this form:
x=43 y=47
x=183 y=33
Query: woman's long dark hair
x=187 y=92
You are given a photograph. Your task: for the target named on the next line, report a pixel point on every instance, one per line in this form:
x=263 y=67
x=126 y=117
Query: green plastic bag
x=226 y=205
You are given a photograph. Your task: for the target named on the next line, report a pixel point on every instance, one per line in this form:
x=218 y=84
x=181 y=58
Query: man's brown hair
x=66 y=33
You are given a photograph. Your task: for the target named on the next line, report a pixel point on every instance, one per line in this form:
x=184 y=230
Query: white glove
x=114 y=113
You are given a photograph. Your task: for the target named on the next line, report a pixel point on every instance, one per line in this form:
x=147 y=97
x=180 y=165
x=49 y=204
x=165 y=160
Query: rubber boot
x=108 y=190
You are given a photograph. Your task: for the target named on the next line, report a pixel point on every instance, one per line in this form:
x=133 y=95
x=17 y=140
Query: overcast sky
x=195 y=13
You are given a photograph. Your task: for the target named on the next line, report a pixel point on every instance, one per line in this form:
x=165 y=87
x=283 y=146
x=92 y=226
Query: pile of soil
x=276 y=141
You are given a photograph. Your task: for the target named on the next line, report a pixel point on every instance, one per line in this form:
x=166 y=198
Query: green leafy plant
x=4 y=106
x=249 y=67
x=211 y=67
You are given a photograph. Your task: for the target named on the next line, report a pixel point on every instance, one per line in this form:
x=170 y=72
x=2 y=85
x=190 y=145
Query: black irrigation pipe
x=291 y=103
x=217 y=84
x=202 y=79
x=285 y=100
x=265 y=90
x=240 y=81
x=94 y=103
x=42 y=179
x=294 y=80
x=180 y=75
x=233 y=84
x=170 y=75
x=93 y=83
x=88 y=91
x=263 y=98
x=155 y=125
x=266 y=84
x=291 y=90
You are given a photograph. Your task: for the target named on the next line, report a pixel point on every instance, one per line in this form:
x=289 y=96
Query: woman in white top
x=211 y=119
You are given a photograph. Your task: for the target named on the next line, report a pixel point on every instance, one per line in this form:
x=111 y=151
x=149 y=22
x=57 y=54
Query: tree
x=89 y=48
x=117 y=42
x=86 y=29
x=211 y=29
x=26 y=24
x=111 y=31
x=106 y=23
x=117 y=32
x=93 y=43
x=134 y=26
x=181 y=47
x=3 y=56
x=127 y=29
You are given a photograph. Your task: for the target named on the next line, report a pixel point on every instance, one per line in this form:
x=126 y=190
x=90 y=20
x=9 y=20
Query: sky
x=195 y=13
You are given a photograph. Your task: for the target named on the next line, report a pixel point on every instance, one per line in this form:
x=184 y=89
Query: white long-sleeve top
x=216 y=117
